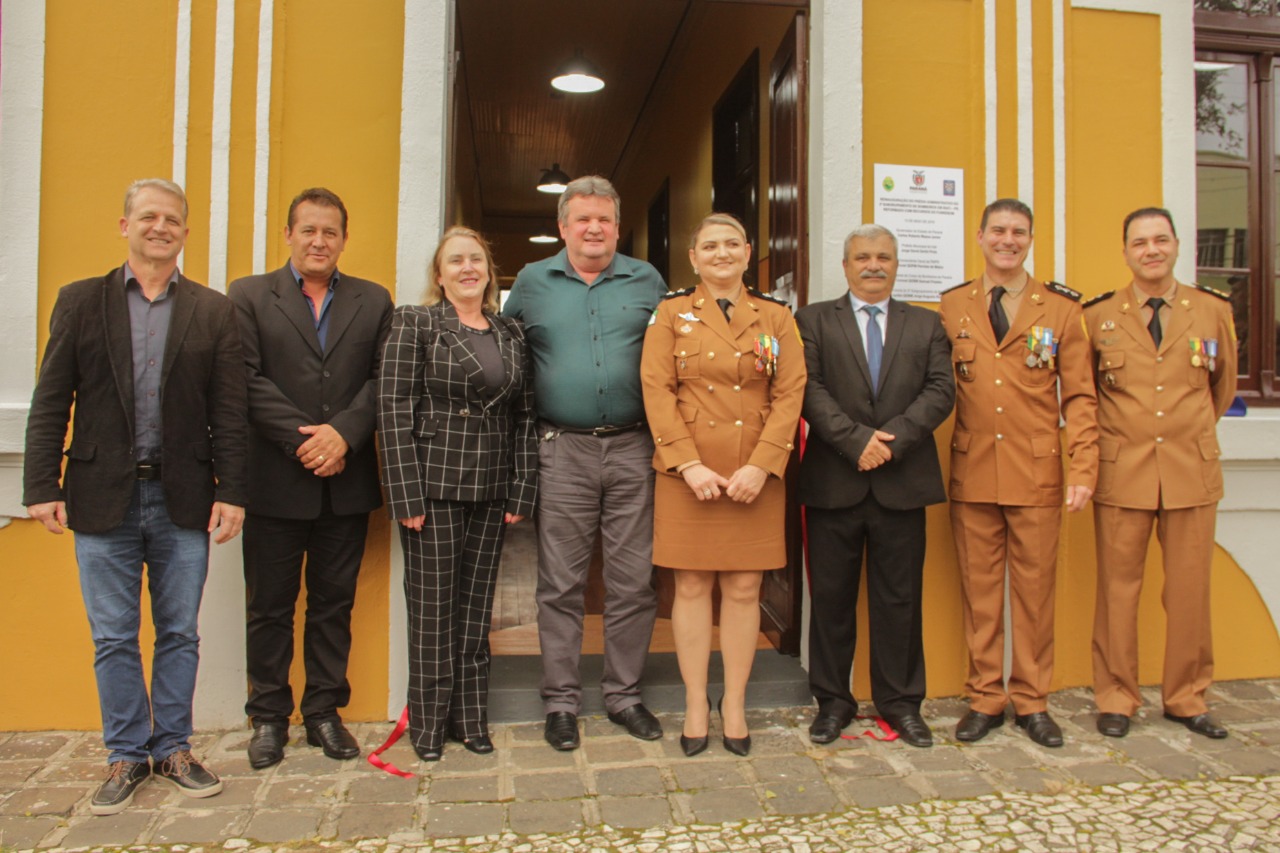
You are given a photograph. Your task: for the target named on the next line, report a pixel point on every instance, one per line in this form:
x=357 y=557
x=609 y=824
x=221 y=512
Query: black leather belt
x=603 y=431
x=149 y=472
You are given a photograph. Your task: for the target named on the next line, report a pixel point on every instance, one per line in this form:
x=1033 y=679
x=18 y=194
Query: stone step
x=777 y=680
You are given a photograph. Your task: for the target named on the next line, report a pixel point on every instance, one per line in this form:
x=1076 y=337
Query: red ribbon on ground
x=886 y=731
x=399 y=731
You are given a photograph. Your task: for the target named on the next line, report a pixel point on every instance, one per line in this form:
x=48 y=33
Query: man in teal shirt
x=585 y=311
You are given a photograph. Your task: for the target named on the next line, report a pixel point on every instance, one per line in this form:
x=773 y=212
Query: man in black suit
x=880 y=382
x=312 y=343
x=151 y=361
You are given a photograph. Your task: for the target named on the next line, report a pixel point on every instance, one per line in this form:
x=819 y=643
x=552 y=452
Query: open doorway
x=693 y=98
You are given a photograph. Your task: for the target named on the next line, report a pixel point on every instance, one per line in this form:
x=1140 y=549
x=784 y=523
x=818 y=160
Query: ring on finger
x=707 y=492
x=321 y=457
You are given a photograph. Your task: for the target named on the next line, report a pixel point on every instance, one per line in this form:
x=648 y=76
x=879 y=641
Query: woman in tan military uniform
x=723 y=375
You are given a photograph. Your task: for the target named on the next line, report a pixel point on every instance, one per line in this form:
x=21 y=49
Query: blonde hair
x=435 y=293
x=718 y=219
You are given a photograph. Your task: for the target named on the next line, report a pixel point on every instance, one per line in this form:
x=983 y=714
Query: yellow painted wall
x=924 y=104
x=337 y=123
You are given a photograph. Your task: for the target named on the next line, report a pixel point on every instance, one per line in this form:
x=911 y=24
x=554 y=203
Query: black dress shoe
x=334 y=738
x=429 y=754
x=1201 y=724
x=562 y=730
x=1113 y=725
x=911 y=728
x=639 y=722
x=480 y=745
x=266 y=747
x=975 y=725
x=1040 y=728
x=825 y=728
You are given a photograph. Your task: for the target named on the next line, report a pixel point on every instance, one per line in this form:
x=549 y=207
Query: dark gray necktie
x=999 y=322
x=1157 y=334
x=725 y=305
x=875 y=345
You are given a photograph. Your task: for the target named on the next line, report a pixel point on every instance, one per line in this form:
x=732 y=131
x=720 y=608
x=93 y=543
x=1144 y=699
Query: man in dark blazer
x=879 y=384
x=151 y=362
x=312 y=343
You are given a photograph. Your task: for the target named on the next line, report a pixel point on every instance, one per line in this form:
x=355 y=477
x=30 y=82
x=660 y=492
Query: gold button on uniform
x=997 y=355
x=999 y=381
x=737 y=423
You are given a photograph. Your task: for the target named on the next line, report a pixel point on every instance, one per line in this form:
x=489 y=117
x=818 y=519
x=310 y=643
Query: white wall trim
x=1059 y=142
x=21 y=139
x=262 y=134
x=181 y=93
x=991 y=100
x=835 y=139
x=220 y=150
x=1147 y=7
x=1026 y=116
x=426 y=94
x=1178 y=127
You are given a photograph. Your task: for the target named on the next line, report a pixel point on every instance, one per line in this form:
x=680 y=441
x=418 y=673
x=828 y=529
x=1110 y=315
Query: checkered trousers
x=450 y=569
x=443 y=435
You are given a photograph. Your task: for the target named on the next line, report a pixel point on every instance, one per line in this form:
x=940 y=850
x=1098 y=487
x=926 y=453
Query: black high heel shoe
x=694 y=745
x=736 y=745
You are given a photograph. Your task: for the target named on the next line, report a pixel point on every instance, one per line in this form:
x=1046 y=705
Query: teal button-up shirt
x=586 y=340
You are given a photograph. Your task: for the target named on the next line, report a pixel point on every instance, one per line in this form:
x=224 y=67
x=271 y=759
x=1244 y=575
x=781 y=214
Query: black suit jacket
x=292 y=383
x=89 y=362
x=916 y=393
x=444 y=436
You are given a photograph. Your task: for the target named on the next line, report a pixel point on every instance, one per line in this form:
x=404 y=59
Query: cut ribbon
x=886 y=731
x=399 y=731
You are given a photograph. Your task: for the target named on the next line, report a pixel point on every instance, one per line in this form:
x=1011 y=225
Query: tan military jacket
x=1006 y=448
x=1158 y=410
x=703 y=394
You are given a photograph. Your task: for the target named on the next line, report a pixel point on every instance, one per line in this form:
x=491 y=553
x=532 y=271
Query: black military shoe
x=1113 y=725
x=975 y=725
x=1040 y=728
x=1201 y=724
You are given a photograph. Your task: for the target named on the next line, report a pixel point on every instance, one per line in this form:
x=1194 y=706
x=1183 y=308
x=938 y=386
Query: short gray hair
x=588 y=185
x=156 y=184
x=869 y=231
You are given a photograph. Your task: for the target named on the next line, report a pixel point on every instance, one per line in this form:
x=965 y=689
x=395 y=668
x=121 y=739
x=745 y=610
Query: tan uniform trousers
x=989 y=536
x=1186 y=538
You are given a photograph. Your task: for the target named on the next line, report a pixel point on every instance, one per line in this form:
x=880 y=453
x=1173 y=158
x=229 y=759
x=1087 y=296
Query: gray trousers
x=588 y=485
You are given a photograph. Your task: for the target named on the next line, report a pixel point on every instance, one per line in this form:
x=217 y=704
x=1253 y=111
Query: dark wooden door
x=735 y=155
x=780 y=598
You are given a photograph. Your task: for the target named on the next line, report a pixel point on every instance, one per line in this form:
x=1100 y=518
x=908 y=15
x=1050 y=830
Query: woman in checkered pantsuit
x=459 y=461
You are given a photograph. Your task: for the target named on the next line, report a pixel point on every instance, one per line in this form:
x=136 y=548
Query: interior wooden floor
x=515 y=610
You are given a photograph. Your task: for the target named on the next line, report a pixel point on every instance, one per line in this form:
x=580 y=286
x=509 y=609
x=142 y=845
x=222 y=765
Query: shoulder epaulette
x=1101 y=297
x=1213 y=291
x=958 y=286
x=759 y=295
x=674 y=293
x=1062 y=290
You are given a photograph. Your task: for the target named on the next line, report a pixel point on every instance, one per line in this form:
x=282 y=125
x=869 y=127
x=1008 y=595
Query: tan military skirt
x=720 y=535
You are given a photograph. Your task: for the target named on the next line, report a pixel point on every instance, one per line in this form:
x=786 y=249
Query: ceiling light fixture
x=544 y=238
x=578 y=76
x=553 y=180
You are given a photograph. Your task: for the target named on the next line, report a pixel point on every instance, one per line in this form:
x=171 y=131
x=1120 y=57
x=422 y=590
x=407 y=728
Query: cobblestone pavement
x=1161 y=788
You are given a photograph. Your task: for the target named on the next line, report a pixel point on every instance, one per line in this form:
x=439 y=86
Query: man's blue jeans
x=133 y=725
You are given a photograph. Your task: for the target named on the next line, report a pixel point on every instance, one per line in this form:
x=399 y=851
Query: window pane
x=1249 y=7
x=1222 y=216
x=1222 y=111
x=1237 y=284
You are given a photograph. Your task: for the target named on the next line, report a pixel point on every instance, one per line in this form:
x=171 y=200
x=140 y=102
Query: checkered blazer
x=442 y=435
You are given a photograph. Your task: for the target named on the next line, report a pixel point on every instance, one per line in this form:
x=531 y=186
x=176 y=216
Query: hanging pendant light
x=578 y=76
x=553 y=180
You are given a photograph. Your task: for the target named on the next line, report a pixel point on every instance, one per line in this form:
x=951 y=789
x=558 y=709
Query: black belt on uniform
x=149 y=472
x=603 y=431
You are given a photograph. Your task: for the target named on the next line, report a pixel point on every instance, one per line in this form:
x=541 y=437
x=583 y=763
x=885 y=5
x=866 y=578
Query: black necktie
x=1153 y=327
x=999 y=322
x=725 y=305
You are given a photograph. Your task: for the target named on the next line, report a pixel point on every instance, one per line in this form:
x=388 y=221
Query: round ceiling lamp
x=578 y=76
x=553 y=180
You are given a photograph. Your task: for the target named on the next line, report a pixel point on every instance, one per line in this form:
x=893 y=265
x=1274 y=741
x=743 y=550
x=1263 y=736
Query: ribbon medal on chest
x=766 y=348
x=1204 y=352
x=1041 y=347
